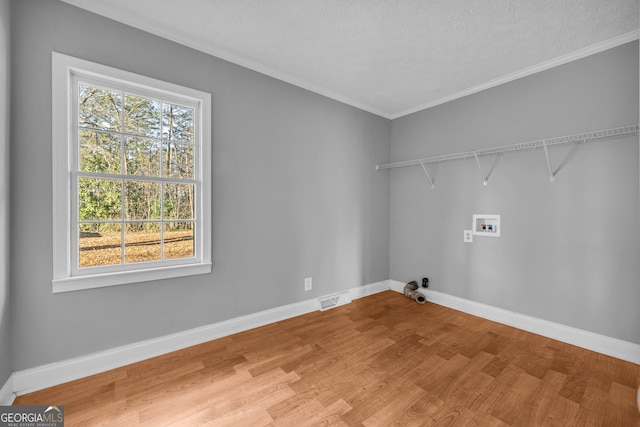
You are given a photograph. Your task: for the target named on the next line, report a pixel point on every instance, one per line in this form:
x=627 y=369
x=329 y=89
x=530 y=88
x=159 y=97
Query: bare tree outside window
x=135 y=185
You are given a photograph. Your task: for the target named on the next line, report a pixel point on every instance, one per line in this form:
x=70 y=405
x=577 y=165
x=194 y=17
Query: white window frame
x=65 y=70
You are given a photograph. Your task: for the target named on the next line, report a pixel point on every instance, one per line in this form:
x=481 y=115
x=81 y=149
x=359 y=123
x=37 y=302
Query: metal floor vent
x=331 y=301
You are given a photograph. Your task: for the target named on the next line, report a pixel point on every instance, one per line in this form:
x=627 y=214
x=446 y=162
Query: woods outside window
x=131 y=177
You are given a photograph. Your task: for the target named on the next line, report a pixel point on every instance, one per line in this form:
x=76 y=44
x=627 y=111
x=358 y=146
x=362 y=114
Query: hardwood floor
x=382 y=360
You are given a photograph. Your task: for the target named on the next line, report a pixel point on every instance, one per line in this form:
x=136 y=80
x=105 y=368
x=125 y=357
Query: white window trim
x=64 y=67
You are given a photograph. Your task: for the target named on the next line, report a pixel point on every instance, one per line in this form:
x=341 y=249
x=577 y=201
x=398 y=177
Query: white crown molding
x=218 y=52
x=591 y=341
x=546 y=65
x=149 y=26
x=38 y=378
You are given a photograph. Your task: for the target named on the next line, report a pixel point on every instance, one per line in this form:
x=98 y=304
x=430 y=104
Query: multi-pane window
x=137 y=177
x=135 y=186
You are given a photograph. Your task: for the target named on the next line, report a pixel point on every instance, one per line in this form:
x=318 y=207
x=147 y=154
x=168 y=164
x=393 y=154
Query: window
x=131 y=177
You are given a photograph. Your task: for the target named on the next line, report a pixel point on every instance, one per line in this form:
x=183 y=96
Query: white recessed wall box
x=486 y=225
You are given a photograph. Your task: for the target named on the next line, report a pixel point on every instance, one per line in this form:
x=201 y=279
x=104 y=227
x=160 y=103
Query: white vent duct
x=331 y=301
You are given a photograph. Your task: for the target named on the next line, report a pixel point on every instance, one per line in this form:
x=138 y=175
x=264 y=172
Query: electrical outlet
x=468 y=236
x=308 y=283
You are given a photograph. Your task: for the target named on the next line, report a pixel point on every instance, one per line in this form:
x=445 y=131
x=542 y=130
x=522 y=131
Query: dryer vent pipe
x=411 y=292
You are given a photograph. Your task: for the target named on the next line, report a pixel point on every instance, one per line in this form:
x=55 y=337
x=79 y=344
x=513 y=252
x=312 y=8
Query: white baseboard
x=370 y=289
x=7 y=395
x=29 y=380
x=591 y=341
x=38 y=378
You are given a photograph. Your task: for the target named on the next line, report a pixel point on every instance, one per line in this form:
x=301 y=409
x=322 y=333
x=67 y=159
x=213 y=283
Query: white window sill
x=78 y=283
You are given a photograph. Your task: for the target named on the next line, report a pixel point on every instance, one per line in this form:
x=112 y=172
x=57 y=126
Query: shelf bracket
x=546 y=154
x=424 y=168
x=484 y=179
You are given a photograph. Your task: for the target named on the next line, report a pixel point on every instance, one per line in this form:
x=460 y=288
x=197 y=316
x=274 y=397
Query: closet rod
x=531 y=145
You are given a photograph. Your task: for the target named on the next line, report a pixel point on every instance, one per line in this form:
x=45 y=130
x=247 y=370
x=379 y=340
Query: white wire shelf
x=530 y=145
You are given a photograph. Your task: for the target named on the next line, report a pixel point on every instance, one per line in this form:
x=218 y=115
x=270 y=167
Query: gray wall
x=5 y=327
x=569 y=250
x=295 y=193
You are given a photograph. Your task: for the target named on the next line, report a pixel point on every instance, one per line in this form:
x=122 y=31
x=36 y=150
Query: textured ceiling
x=389 y=57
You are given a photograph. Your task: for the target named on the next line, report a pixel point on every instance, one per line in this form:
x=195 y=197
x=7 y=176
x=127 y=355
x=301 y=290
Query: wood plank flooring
x=382 y=360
